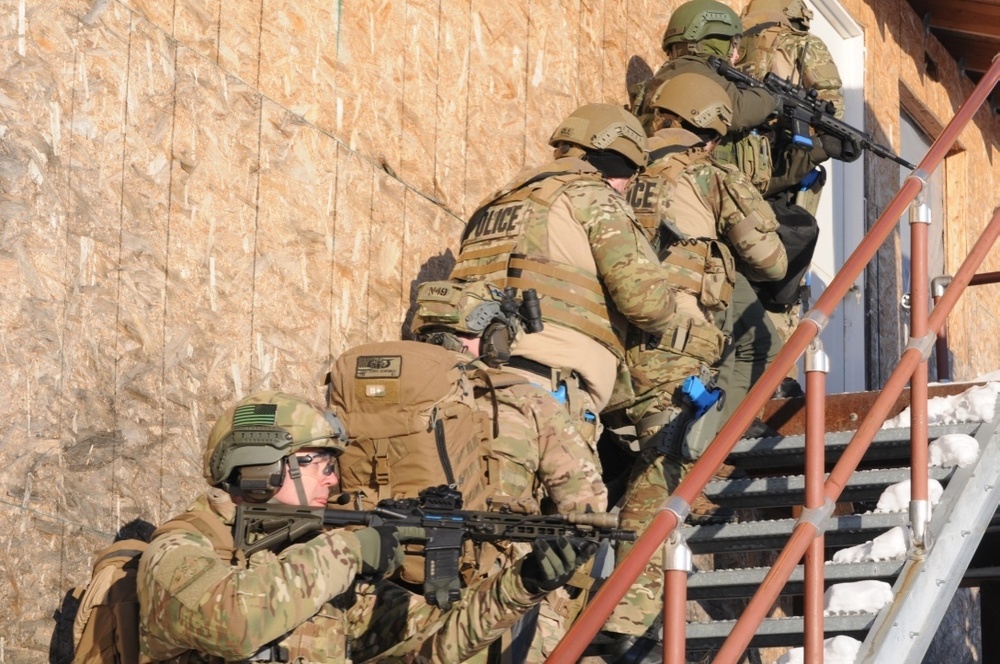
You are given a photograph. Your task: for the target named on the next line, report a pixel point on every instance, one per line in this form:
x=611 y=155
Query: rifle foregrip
x=593 y=519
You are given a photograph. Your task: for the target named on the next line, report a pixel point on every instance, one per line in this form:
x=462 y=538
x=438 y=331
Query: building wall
x=204 y=198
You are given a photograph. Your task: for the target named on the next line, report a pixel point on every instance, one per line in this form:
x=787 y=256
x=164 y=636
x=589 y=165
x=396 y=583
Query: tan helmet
x=699 y=19
x=793 y=14
x=696 y=99
x=259 y=432
x=604 y=127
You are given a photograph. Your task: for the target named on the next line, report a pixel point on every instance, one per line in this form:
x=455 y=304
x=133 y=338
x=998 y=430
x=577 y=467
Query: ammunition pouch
x=705 y=268
x=691 y=337
x=750 y=153
x=662 y=433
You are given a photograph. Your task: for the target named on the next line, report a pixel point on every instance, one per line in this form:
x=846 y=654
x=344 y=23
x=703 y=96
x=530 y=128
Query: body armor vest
x=505 y=243
x=700 y=265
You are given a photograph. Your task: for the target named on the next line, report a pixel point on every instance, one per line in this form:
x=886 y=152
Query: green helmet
x=474 y=309
x=604 y=127
x=696 y=99
x=793 y=14
x=467 y=307
x=699 y=19
x=260 y=431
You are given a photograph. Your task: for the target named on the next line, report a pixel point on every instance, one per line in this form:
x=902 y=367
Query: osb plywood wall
x=203 y=198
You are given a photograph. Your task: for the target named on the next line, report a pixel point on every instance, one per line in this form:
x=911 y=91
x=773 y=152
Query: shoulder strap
x=217 y=532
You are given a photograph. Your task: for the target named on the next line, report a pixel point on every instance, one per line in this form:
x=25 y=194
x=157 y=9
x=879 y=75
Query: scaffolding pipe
x=592 y=618
x=920 y=219
x=677 y=565
x=817 y=366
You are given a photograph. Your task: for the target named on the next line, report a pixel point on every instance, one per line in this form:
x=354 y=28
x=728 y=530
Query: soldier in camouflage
x=543 y=459
x=564 y=230
x=698 y=30
x=704 y=219
x=323 y=600
x=777 y=41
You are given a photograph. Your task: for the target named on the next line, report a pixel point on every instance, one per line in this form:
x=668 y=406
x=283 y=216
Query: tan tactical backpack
x=410 y=413
x=106 y=628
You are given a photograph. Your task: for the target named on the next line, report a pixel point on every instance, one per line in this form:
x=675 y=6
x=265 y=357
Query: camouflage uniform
x=562 y=230
x=544 y=458
x=777 y=40
x=752 y=108
x=692 y=209
x=542 y=455
x=193 y=600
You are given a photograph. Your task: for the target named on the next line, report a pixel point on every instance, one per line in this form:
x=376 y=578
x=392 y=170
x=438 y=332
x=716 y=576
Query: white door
x=841 y=209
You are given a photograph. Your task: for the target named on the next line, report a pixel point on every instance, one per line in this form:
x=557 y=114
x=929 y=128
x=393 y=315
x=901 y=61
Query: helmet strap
x=296 y=474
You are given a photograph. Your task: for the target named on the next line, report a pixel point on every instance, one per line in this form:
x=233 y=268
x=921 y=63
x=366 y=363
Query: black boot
x=632 y=649
x=788 y=389
x=758 y=429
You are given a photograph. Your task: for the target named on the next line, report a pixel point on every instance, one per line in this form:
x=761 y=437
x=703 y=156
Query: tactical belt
x=543 y=370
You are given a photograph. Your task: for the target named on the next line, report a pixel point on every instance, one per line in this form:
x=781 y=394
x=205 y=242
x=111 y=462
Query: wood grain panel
x=352 y=251
x=495 y=149
x=550 y=90
x=385 y=261
x=451 y=159
x=196 y=25
x=421 y=78
x=369 y=79
x=294 y=255
x=93 y=251
x=298 y=56
x=210 y=261
x=239 y=39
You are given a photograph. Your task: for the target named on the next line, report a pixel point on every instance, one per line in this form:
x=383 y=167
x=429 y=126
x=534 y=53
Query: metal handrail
x=938 y=284
x=668 y=518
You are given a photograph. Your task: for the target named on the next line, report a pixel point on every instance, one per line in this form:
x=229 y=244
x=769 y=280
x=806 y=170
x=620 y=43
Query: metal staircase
x=922 y=588
x=947 y=537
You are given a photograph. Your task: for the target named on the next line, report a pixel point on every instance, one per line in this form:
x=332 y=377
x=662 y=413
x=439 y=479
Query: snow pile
x=836 y=650
x=890 y=545
x=974 y=405
x=856 y=597
x=953 y=449
x=896 y=498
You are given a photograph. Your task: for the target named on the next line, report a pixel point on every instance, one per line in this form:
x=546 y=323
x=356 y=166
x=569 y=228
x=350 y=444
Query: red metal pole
x=732 y=650
x=593 y=616
x=817 y=366
x=675 y=616
x=919 y=505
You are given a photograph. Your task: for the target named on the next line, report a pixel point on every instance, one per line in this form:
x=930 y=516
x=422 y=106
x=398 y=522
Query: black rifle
x=801 y=107
x=438 y=512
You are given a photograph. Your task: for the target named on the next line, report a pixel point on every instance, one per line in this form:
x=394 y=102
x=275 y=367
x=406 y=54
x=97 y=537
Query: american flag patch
x=255 y=415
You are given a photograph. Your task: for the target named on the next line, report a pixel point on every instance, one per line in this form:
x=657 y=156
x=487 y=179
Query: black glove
x=381 y=552
x=552 y=562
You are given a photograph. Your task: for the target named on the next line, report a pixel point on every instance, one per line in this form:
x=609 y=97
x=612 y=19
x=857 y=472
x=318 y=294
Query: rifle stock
x=803 y=106
x=437 y=512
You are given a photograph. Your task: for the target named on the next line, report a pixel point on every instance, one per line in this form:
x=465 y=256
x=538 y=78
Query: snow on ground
x=890 y=545
x=867 y=596
x=896 y=498
x=836 y=650
x=953 y=449
x=974 y=405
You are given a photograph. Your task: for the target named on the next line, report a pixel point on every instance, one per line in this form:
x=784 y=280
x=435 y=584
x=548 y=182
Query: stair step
x=866 y=485
x=842 y=531
x=775 y=632
x=784 y=452
x=732 y=583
